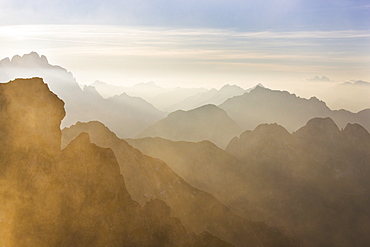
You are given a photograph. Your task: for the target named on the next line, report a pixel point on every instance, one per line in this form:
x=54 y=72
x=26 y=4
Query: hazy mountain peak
x=267 y=132
x=319 y=127
x=231 y=87
x=207 y=122
x=356 y=130
x=30 y=59
x=273 y=128
x=97 y=82
x=356 y=83
x=208 y=107
x=150 y=84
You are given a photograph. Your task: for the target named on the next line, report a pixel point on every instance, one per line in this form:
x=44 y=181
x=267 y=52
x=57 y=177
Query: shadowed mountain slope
x=204 y=123
x=70 y=197
x=263 y=105
x=127 y=116
x=313 y=183
x=148 y=178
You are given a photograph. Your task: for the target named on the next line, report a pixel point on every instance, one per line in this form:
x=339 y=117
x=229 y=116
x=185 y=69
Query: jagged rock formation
x=127 y=116
x=204 y=123
x=73 y=197
x=313 y=183
x=149 y=178
x=263 y=105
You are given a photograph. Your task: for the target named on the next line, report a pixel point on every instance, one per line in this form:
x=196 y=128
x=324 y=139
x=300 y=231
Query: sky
x=279 y=43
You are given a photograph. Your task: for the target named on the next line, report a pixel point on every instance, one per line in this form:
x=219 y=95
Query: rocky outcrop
x=70 y=197
x=30 y=116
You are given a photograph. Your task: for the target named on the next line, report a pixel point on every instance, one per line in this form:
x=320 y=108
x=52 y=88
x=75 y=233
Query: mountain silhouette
x=313 y=183
x=70 y=197
x=202 y=164
x=149 y=178
x=126 y=117
x=204 y=123
x=213 y=96
x=263 y=105
x=317 y=176
x=351 y=95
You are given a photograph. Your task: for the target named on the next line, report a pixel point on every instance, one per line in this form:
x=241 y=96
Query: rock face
x=28 y=122
x=149 y=178
x=204 y=123
x=263 y=105
x=73 y=197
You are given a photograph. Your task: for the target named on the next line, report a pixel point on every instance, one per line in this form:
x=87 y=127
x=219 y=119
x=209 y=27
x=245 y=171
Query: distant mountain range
x=161 y=98
x=351 y=95
x=173 y=99
x=262 y=105
x=207 y=122
x=213 y=96
x=125 y=115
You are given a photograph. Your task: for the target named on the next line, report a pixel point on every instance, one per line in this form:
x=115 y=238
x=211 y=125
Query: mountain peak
x=320 y=127
x=29 y=59
x=356 y=130
x=228 y=87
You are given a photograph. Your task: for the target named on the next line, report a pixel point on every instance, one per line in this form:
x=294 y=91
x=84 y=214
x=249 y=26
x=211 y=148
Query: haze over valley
x=212 y=123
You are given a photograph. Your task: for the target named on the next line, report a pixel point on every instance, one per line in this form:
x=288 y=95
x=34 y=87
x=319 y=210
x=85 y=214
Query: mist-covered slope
x=351 y=95
x=126 y=116
x=313 y=183
x=213 y=96
x=161 y=98
x=148 y=178
x=70 y=197
x=263 y=105
x=204 y=123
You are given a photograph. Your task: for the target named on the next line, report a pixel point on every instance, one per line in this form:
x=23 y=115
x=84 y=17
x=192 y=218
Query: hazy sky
x=280 y=43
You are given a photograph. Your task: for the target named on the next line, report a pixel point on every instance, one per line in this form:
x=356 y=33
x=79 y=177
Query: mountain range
x=70 y=197
x=313 y=183
x=262 y=105
x=147 y=178
x=350 y=95
x=124 y=114
x=241 y=171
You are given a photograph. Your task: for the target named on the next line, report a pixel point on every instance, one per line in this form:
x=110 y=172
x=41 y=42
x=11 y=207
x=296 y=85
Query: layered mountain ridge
x=207 y=122
x=313 y=183
x=70 y=197
x=125 y=115
x=150 y=178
